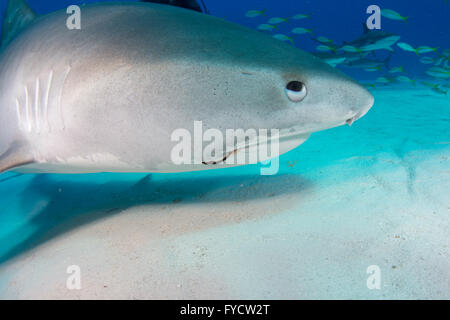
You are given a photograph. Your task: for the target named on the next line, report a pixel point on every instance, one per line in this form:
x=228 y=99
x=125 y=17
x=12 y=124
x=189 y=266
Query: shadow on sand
x=64 y=204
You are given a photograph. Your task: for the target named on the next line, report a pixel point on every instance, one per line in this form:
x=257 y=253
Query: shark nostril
x=350 y=121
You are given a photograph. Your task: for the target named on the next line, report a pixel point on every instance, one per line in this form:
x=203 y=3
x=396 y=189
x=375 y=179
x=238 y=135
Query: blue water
x=429 y=22
x=407 y=126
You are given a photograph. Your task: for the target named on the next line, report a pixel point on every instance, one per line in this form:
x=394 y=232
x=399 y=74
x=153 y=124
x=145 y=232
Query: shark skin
x=108 y=97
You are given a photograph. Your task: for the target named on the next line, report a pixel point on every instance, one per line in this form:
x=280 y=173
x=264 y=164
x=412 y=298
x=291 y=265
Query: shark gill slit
x=19 y=116
x=27 y=110
x=36 y=106
x=32 y=108
x=46 y=98
x=60 y=111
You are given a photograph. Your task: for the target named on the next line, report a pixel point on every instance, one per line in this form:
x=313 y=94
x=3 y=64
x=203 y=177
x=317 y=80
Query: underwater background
x=376 y=193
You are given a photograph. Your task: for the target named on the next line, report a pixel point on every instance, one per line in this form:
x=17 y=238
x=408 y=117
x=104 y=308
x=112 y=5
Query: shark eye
x=296 y=91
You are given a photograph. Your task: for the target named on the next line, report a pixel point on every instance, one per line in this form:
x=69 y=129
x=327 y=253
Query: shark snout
x=364 y=102
x=367 y=101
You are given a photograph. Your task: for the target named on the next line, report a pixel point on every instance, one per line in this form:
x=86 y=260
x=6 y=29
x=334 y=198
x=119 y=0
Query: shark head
x=316 y=97
x=245 y=79
x=250 y=80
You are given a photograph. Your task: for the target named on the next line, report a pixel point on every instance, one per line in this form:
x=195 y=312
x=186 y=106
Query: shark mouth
x=288 y=140
x=356 y=117
x=227 y=155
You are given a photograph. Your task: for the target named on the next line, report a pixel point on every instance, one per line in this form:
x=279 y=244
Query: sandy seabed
x=349 y=198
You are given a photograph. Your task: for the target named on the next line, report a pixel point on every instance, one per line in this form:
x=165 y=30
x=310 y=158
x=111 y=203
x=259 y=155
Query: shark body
x=109 y=96
x=372 y=40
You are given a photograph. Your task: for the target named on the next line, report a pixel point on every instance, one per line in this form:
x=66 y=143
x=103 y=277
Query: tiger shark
x=372 y=40
x=108 y=97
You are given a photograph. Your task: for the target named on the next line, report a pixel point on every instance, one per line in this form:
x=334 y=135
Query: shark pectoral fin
x=17 y=17
x=14 y=157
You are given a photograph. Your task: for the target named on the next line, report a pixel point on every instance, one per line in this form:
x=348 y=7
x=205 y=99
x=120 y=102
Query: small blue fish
x=396 y=69
x=426 y=60
x=266 y=27
x=405 y=79
x=438 y=72
x=428 y=84
x=255 y=13
x=383 y=80
x=426 y=49
x=300 y=16
x=324 y=40
x=301 y=31
x=324 y=48
x=277 y=20
x=283 y=37
x=393 y=15
x=419 y=50
x=406 y=47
